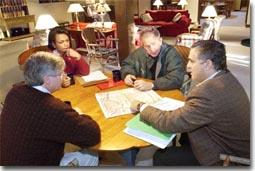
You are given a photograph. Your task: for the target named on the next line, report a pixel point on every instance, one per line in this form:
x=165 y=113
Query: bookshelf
x=14 y=13
x=50 y=1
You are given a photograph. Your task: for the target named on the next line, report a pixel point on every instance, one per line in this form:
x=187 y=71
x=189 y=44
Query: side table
x=195 y=29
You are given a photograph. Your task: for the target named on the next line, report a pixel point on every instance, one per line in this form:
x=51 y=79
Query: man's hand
x=143 y=85
x=129 y=80
x=72 y=53
x=134 y=105
x=78 y=110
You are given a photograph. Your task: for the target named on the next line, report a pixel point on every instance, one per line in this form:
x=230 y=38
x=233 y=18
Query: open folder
x=143 y=131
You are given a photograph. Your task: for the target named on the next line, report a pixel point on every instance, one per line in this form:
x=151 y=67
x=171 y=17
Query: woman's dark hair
x=213 y=50
x=52 y=35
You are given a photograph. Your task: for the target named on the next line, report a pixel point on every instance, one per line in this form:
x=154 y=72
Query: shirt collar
x=210 y=77
x=42 y=89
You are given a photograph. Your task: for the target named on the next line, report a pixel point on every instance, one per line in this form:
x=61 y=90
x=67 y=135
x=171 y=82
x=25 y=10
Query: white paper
x=159 y=142
x=116 y=103
x=168 y=104
x=94 y=76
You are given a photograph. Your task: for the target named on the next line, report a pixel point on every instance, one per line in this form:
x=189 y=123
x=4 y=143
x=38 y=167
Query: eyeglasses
x=62 y=74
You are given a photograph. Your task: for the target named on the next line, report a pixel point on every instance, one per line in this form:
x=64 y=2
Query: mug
x=116 y=76
x=71 y=79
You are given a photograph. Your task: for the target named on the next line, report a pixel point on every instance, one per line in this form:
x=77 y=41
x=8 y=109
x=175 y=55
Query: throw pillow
x=146 y=17
x=177 y=17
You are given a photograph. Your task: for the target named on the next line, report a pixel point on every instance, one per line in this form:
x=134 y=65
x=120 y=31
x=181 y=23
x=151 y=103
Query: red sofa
x=164 y=19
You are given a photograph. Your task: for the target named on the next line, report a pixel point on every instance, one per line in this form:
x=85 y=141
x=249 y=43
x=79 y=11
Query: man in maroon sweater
x=35 y=125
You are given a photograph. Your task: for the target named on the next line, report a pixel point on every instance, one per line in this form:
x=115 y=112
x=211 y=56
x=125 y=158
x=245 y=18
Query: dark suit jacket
x=216 y=116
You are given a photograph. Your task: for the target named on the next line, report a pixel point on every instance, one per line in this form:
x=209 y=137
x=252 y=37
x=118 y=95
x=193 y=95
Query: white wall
x=57 y=10
x=143 y=6
x=193 y=10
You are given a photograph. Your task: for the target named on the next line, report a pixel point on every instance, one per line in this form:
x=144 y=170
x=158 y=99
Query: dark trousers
x=175 y=156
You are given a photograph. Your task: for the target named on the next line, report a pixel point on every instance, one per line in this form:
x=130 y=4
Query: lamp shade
x=157 y=3
x=182 y=2
x=76 y=7
x=45 y=21
x=209 y=11
x=103 y=8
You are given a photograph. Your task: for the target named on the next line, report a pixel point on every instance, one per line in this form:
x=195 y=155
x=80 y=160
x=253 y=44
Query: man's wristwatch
x=139 y=105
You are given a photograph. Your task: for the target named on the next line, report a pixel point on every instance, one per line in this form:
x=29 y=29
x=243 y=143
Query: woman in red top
x=59 y=43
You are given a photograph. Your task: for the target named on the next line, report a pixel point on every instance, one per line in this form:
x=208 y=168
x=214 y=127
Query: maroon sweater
x=34 y=127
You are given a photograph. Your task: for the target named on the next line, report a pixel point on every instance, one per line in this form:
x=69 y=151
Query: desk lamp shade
x=209 y=11
x=157 y=3
x=44 y=22
x=182 y=3
x=75 y=8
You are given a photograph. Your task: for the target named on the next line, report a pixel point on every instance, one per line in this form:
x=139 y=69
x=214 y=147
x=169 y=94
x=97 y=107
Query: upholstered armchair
x=206 y=33
x=218 y=21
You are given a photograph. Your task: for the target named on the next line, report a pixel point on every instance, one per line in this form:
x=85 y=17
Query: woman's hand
x=72 y=53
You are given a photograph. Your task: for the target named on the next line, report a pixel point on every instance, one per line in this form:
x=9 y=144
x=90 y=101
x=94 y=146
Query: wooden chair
x=184 y=53
x=97 y=46
x=27 y=53
x=227 y=159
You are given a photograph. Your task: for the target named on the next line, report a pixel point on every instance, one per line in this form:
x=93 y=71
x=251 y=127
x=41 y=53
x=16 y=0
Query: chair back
x=228 y=159
x=207 y=29
x=218 y=21
x=88 y=35
x=184 y=53
x=27 y=53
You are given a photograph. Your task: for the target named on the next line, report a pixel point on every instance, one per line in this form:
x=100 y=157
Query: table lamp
x=209 y=12
x=75 y=8
x=183 y=3
x=44 y=22
x=157 y=3
x=102 y=9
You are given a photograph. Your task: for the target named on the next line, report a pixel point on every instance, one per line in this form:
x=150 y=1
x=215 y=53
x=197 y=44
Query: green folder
x=136 y=124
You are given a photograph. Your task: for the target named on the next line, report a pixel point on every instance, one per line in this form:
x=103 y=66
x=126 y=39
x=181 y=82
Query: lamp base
x=78 y=26
x=103 y=28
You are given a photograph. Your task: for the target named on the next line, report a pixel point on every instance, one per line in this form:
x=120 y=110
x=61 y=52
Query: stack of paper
x=93 y=78
x=146 y=132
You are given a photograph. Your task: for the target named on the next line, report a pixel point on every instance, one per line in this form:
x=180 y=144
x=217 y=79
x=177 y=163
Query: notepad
x=93 y=78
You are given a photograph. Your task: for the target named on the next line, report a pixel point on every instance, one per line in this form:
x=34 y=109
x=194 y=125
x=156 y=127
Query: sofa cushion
x=146 y=17
x=177 y=17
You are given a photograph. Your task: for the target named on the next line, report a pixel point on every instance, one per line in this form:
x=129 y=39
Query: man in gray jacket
x=216 y=114
x=156 y=61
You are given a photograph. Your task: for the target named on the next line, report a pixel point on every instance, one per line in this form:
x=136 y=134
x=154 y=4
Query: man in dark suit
x=216 y=114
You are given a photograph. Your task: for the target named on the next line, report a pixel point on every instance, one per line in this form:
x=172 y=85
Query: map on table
x=116 y=103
